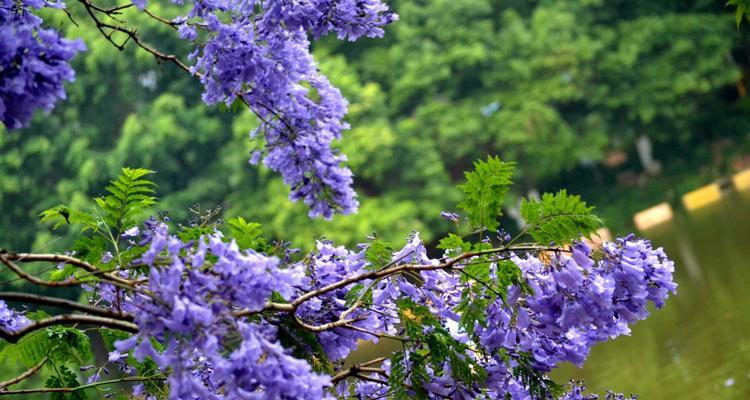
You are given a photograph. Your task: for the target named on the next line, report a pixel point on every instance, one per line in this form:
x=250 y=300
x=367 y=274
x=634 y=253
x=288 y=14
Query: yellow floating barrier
x=702 y=197
x=741 y=180
x=653 y=216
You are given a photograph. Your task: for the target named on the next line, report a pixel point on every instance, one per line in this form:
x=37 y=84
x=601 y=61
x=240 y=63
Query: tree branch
x=82 y=387
x=59 y=258
x=33 y=279
x=14 y=336
x=62 y=303
x=357 y=368
x=396 y=269
x=91 y=9
x=26 y=374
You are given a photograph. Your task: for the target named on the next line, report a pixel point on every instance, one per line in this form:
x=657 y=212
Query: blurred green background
x=569 y=89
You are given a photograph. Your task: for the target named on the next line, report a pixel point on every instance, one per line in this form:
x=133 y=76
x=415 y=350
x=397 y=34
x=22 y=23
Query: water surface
x=698 y=345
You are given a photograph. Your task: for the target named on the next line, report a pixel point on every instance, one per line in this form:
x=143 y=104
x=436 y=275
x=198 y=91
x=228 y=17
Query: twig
x=164 y=21
x=62 y=303
x=59 y=258
x=82 y=387
x=327 y=326
x=26 y=374
x=409 y=267
x=37 y=281
x=376 y=334
x=356 y=368
x=14 y=336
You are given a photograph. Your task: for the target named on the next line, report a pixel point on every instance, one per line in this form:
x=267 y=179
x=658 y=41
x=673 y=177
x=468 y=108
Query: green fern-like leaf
x=247 y=234
x=397 y=379
x=29 y=350
x=64 y=377
x=61 y=344
x=128 y=195
x=484 y=191
x=559 y=218
x=62 y=215
x=378 y=254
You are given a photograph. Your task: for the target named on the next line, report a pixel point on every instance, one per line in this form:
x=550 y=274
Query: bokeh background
x=628 y=103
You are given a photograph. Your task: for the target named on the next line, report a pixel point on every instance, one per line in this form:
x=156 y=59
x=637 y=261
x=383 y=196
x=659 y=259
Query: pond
x=698 y=345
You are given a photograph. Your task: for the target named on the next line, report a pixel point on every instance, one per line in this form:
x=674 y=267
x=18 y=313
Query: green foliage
x=378 y=254
x=358 y=292
x=540 y=386
x=29 y=350
x=433 y=346
x=398 y=377
x=558 y=218
x=64 y=377
x=129 y=195
x=454 y=244
x=61 y=344
x=474 y=302
x=247 y=234
x=741 y=11
x=305 y=345
x=484 y=191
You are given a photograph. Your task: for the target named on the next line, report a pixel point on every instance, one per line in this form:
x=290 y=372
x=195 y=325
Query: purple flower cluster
x=11 y=320
x=186 y=319
x=573 y=303
x=330 y=264
x=327 y=265
x=193 y=306
x=576 y=302
x=33 y=62
x=259 y=52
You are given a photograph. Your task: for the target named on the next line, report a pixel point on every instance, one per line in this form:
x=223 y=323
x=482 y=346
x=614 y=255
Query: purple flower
x=450 y=216
x=10 y=319
x=33 y=62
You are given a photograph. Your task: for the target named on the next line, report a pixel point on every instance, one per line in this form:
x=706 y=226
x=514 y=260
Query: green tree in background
x=552 y=85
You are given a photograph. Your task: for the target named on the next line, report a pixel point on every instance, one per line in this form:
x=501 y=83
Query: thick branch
x=396 y=269
x=62 y=303
x=13 y=337
x=59 y=258
x=385 y=272
x=33 y=279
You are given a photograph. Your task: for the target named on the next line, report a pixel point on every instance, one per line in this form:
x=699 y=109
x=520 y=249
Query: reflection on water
x=698 y=345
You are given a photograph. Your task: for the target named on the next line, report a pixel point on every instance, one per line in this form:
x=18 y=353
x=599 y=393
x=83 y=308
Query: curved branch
x=26 y=374
x=396 y=269
x=82 y=387
x=327 y=326
x=91 y=9
x=357 y=368
x=33 y=279
x=376 y=334
x=59 y=258
x=14 y=336
x=62 y=303
x=164 y=21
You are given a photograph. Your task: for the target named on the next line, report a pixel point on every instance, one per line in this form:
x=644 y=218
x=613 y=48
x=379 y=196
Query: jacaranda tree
x=207 y=309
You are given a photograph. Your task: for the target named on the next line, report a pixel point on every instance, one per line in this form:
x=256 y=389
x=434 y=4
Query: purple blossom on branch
x=33 y=62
